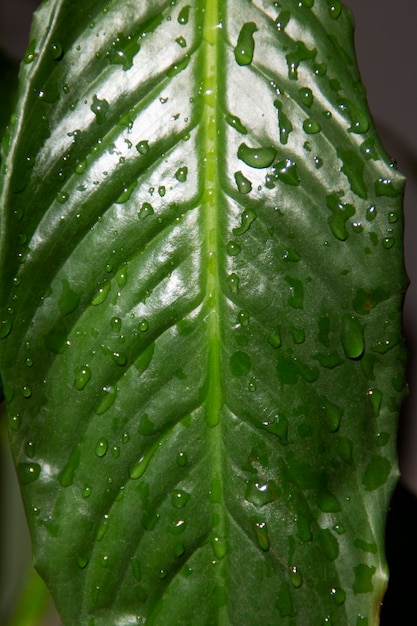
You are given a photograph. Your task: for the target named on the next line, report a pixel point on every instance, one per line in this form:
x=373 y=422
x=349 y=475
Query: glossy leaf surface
x=201 y=282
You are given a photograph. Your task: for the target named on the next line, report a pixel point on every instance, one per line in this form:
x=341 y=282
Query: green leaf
x=201 y=282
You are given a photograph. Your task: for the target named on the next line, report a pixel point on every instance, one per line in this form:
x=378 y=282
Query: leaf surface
x=201 y=280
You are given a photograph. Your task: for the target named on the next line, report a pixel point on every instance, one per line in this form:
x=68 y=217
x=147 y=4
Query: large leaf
x=201 y=283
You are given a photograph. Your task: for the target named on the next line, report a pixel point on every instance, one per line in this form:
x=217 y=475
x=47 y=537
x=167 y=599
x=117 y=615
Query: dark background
x=386 y=43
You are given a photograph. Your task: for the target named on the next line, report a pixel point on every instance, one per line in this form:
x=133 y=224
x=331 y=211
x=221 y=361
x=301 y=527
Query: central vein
x=211 y=205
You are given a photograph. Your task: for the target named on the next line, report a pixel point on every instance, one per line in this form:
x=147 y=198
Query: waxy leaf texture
x=201 y=283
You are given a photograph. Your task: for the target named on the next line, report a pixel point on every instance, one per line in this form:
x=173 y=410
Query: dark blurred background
x=386 y=43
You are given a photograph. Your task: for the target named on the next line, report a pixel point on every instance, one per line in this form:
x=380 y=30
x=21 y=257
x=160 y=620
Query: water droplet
x=258 y=158
x=286 y=171
x=306 y=96
x=376 y=473
x=143 y=326
x=301 y=53
x=311 y=127
x=178 y=67
x=282 y=20
x=82 y=376
x=30 y=53
x=328 y=543
x=368 y=149
x=122 y=51
x=136 y=470
x=26 y=391
x=28 y=472
x=56 y=50
x=235 y=123
x=261 y=493
x=335 y=8
x=121 y=276
x=181 y=174
x=243 y=318
x=62 y=197
x=295 y=577
x=359 y=120
x=233 y=248
x=14 y=422
x=6 y=326
x=145 y=211
x=243 y=184
x=86 y=492
x=296 y=298
x=245 y=46
x=371 y=213
x=261 y=532
x=353 y=168
x=219 y=547
x=136 y=569
x=240 y=363
x=363 y=578
x=101 y=447
x=298 y=335
x=340 y=214
x=181 y=41
x=375 y=397
x=101 y=295
x=333 y=414
x=352 y=336
x=338 y=595
x=179 y=498
x=100 y=108
x=109 y=397
x=126 y=193
x=82 y=562
x=68 y=300
x=233 y=283
x=183 y=15
x=284 y=123
x=142 y=147
x=246 y=219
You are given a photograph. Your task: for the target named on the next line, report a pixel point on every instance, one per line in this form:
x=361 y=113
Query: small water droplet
x=261 y=532
x=142 y=147
x=108 y=399
x=182 y=459
x=352 y=336
x=181 y=41
x=306 y=96
x=56 y=50
x=179 y=498
x=301 y=53
x=233 y=248
x=6 y=326
x=26 y=391
x=82 y=562
x=143 y=326
x=240 y=363
x=335 y=9
x=181 y=174
x=252 y=385
x=123 y=50
x=235 y=123
x=126 y=193
x=296 y=577
x=261 y=493
x=245 y=46
x=101 y=447
x=284 y=123
x=30 y=53
x=102 y=294
x=82 y=376
x=243 y=318
x=86 y=492
x=14 y=422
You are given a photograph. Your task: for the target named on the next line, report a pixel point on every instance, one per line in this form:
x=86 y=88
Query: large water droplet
x=352 y=336
x=82 y=376
x=256 y=157
x=179 y=498
x=101 y=447
x=261 y=493
x=282 y=20
x=296 y=577
x=247 y=218
x=376 y=473
x=183 y=15
x=100 y=108
x=245 y=46
x=28 y=472
x=243 y=184
x=311 y=126
x=363 y=578
x=240 y=363
x=122 y=51
x=301 y=53
x=284 y=123
x=181 y=174
x=108 y=399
